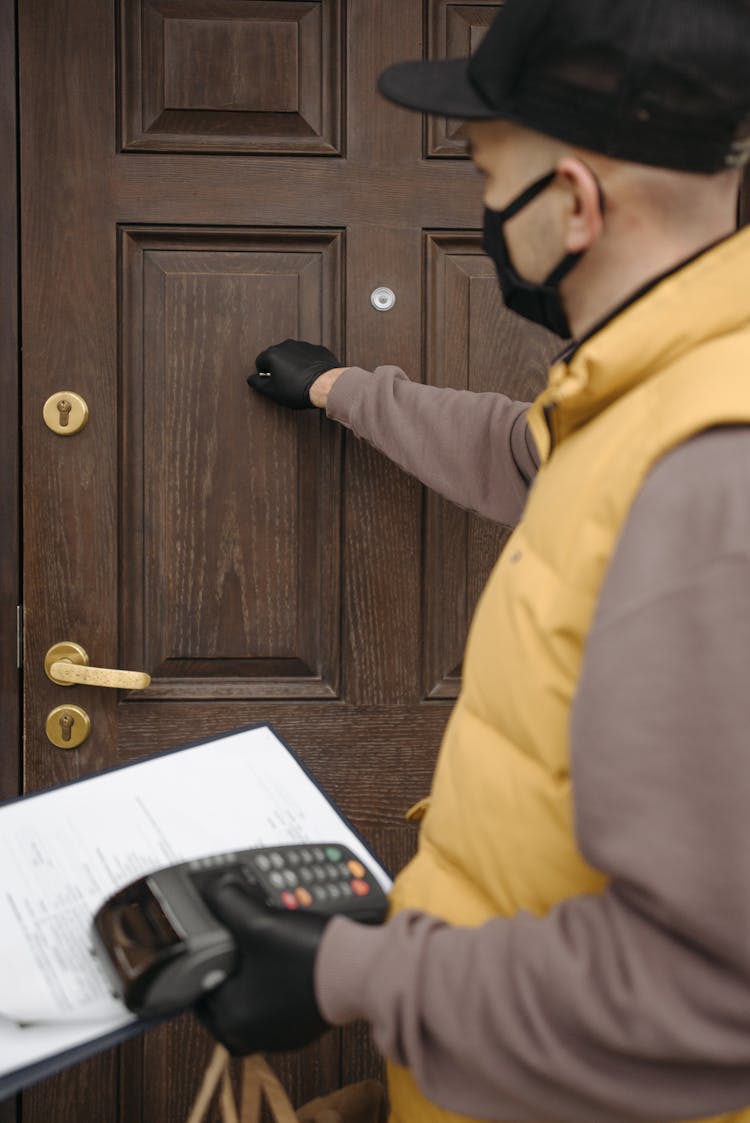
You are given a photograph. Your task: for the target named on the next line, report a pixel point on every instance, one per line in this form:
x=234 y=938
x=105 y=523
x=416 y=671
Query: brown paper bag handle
x=258 y=1080
x=215 y=1071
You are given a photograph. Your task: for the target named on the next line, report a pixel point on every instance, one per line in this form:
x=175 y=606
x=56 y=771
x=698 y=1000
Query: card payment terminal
x=164 y=948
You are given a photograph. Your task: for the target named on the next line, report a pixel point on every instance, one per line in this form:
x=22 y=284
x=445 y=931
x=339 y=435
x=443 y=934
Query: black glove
x=268 y=1004
x=286 y=371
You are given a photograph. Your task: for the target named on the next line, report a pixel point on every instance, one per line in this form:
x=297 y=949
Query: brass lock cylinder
x=67 y=727
x=65 y=413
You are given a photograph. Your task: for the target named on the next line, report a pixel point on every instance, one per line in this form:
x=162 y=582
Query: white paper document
x=63 y=852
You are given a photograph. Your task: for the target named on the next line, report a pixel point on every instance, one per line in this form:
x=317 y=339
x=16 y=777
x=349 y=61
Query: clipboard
x=240 y=789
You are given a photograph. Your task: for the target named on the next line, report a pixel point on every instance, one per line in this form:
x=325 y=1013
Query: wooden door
x=200 y=179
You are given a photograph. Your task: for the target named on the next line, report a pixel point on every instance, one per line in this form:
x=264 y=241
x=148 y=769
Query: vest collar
x=704 y=299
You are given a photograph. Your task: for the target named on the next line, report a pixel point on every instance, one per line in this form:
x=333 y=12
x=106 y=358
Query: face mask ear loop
x=602 y=197
x=525 y=198
x=572 y=259
x=600 y=189
x=563 y=268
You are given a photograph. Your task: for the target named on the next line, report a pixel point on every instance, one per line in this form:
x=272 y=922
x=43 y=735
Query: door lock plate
x=67 y=727
x=65 y=413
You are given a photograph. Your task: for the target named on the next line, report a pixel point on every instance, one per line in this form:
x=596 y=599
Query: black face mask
x=539 y=303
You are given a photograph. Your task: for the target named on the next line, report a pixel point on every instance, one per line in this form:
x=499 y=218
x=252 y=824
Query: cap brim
x=441 y=87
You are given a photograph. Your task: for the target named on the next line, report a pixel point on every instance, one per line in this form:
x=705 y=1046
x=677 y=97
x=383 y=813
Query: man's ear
x=585 y=220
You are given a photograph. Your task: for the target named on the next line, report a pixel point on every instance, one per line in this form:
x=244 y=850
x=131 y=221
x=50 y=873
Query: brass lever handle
x=66 y=674
x=68 y=663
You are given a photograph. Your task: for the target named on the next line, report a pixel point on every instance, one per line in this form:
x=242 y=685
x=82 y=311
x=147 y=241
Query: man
x=572 y=940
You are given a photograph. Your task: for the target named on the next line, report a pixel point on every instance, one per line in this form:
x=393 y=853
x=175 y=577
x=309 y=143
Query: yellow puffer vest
x=498 y=836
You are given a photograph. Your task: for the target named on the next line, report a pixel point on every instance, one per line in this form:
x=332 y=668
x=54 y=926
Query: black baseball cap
x=660 y=82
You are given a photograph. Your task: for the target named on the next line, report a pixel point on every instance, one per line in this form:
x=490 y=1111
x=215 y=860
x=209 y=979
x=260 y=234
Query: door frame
x=10 y=553
x=10 y=570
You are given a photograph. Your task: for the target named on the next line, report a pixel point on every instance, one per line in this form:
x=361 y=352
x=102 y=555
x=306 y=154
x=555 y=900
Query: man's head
x=629 y=221
x=640 y=107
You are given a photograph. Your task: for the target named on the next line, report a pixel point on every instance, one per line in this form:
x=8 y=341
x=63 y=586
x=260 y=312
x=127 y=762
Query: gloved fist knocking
x=286 y=371
x=268 y=1004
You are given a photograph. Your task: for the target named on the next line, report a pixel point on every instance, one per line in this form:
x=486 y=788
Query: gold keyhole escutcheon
x=67 y=727
x=65 y=413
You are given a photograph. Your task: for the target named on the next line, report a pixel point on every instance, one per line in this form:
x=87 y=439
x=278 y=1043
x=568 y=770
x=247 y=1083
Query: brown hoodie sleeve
x=475 y=449
x=635 y=1004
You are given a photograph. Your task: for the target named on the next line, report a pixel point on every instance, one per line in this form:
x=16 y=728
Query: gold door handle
x=68 y=663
